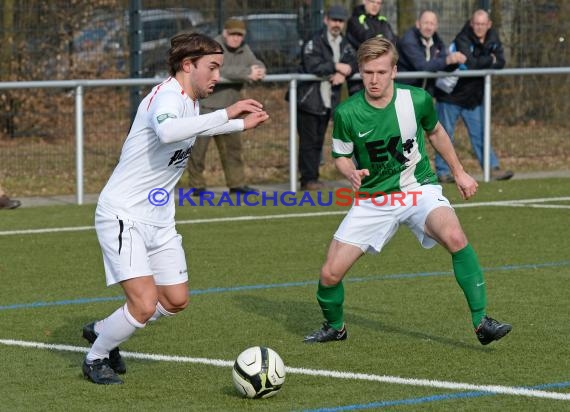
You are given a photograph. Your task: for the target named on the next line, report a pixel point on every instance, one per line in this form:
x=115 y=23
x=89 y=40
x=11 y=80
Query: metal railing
x=293 y=79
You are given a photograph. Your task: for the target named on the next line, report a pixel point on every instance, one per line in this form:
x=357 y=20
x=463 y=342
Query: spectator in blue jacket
x=329 y=55
x=421 y=49
x=482 y=46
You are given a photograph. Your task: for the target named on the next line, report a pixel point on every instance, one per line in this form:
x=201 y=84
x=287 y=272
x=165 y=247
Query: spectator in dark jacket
x=329 y=55
x=367 y=22
x=421 y=49
x=482 y=46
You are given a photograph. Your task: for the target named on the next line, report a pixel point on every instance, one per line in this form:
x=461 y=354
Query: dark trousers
x=311 y=129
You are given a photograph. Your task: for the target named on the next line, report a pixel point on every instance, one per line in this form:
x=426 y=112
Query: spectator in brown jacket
x=240 y=65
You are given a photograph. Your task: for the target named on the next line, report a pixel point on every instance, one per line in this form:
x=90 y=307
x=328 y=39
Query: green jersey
x=389 y=142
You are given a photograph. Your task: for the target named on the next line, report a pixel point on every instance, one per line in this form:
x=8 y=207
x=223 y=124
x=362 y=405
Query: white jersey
x=155 y=153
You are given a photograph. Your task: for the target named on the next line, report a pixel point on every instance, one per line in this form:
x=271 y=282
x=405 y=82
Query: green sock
x=470 y=278
x=331 y=299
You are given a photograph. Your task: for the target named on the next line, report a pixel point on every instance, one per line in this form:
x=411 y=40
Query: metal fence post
x=79 y=143
x=293 y=135
x=487 y=129
x=135 y=55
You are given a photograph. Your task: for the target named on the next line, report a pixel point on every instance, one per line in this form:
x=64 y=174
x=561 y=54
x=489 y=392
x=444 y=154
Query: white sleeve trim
x=342 y=148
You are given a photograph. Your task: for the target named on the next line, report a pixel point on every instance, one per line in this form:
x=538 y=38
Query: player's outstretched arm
x=243 y=107
x=441 y=142
x=254 y=116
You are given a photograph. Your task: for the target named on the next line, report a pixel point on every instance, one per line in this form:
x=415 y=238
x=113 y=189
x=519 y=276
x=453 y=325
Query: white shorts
x=133 y=249
x=371 y=223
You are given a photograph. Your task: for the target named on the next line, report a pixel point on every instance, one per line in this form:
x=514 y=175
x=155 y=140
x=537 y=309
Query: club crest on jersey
x=179 y=156
x=162 y=117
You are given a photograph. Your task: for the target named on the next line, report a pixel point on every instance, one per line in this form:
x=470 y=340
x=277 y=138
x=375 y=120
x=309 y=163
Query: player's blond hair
x=375 y=47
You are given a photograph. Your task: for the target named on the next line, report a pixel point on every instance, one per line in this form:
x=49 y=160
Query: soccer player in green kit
x=384 y=127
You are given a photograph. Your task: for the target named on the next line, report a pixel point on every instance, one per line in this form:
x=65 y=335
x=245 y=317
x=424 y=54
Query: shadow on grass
x=301 y=317
x=418 y=335
x=71 y=333
x=298 y=317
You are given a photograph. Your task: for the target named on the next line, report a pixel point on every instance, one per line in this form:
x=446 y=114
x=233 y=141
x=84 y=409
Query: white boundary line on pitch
x=498 y=389
x=509 y=203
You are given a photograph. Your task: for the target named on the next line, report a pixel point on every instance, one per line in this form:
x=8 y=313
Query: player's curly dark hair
x=192 y=46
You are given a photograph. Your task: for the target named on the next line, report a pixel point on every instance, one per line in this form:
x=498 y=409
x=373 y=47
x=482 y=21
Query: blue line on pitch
x=285 y=285
x=433 y=398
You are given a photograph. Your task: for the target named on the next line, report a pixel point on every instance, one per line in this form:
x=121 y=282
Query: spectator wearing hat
x=240 y=66
x=329 y=55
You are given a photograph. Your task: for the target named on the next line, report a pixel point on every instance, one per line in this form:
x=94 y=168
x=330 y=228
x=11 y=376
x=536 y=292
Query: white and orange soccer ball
x=258 y=372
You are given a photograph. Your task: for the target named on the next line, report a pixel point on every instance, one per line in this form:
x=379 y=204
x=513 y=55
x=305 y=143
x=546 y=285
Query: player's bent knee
x=176 y=305
x=142 y=310
x=329 y=278
x=174 y=298
x=456 y=241
x=180 y=306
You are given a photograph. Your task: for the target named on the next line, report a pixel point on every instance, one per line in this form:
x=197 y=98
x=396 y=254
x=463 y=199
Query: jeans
x=474 y=121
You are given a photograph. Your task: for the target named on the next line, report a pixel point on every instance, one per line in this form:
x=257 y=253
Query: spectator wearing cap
x=329 y=55
x=240 y=66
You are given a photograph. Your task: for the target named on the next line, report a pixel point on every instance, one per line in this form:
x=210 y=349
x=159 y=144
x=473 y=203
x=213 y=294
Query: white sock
x=160 y=312
x=113 y=331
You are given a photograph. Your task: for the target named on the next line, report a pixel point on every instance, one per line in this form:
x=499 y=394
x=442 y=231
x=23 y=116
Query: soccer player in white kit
x=135 y=226
x=384 y=128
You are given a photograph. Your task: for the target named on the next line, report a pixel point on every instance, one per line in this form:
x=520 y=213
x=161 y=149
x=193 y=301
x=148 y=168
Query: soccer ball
x=258 y=372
